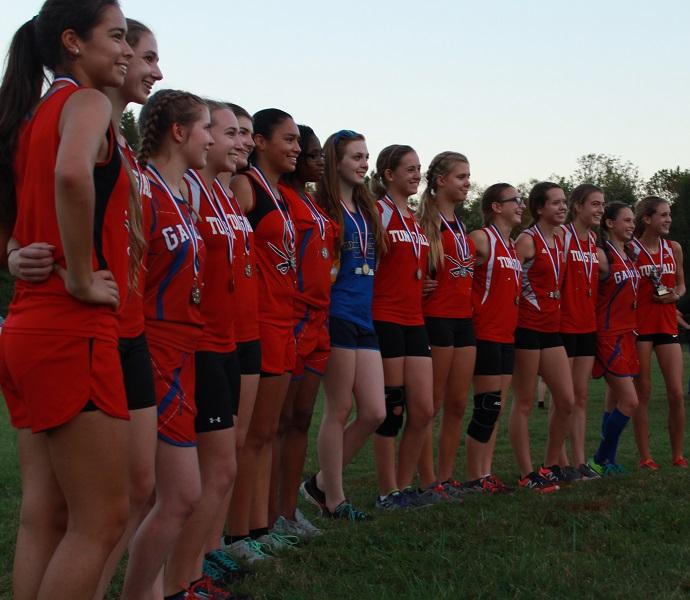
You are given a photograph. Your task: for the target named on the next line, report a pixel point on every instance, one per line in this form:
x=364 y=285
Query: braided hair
x=389 y=158
x=428 y=212
x=160 y=112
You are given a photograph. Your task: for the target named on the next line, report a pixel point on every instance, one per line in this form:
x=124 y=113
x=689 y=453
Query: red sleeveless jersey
x=46 y=307
x=540 y=303
x=580 y=283
x=400 y=273
x=452 y=298
x=617 y=296
x=653 y=317
x=212 y=209
x=274 y=239
x=495 y=290
x=316 y=235
x=132 y=313
x=244 y=306
x=171 y=277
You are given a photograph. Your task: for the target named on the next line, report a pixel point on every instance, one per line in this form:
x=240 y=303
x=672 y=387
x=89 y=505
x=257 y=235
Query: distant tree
x=666 y=183
x=619 y=179
x=130 y=129
x=680 y=228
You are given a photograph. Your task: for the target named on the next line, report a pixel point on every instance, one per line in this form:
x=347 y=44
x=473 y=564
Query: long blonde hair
x=428 y=213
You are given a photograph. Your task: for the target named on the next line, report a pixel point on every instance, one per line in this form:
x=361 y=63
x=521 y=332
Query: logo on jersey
x=287 y=253
x=585 y=257
x=400 y=235
x=648 y=270
x=174 y=236
x=623 y=276
x=460 y=269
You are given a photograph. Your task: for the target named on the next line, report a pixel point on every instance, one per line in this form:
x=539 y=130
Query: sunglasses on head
x=343 y=134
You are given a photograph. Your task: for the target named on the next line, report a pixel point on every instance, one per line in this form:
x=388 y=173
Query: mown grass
x=623 y=537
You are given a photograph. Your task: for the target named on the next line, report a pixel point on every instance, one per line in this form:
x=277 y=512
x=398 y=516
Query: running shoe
x=346 y=512
x=275 y=542
x=587 y=472
x=453 y=488
x=312 y=494
x=680 y=462
x=496 y=486
x=596 y=467
x=537 y=483
x=221 y=568
x=614 y=469
x=550 y=474
x=419 y=498
x=284 y=526
x=247 y=551
x=564 y=475
x=309 y=530
x=648 y=464
x=474 y=486
x=393 y=501
x=208 y=591
x=435 y=494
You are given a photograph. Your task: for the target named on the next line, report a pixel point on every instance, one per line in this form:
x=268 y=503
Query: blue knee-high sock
x=615 y=424
x=604 y=417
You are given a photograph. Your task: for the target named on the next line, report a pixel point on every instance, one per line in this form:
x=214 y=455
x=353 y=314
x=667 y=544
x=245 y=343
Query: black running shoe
x=560 y=474
x=312 y=494
x=537 y=483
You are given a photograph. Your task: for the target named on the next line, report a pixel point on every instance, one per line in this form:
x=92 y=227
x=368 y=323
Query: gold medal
x=365 y=268
x=324 y=253
x=247 y=270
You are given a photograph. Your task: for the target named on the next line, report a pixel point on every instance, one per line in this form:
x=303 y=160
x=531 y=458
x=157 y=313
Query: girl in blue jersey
x=355 y=364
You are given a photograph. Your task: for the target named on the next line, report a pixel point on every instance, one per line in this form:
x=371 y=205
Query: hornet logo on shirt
x=459 y=270
x=287 y=254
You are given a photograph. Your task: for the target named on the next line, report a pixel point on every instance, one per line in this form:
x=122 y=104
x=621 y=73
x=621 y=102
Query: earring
x=75 y=52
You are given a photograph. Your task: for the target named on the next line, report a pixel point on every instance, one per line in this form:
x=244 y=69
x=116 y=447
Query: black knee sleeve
x=395 y=410
x=487 y=407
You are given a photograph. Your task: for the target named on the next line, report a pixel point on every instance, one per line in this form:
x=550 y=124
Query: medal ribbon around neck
x=513 y=254
x=285 y=215
x=316 y=215
x=237 y=211
x=662 y=247
x=363 y=242
x=416 y=246
x=632 y=275
x=217 y=209
x=188 y=225
x=555 y=265
x=461 y=245
x=588 y=264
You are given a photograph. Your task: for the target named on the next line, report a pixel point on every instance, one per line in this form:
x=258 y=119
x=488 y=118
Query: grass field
x=623 y=537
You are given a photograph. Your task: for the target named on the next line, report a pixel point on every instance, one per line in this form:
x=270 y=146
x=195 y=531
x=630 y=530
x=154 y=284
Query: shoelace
x=212 y=570
x=283 y=540
x=256 y=547
x=350 y=512
x=206 y=589
x=225 y=561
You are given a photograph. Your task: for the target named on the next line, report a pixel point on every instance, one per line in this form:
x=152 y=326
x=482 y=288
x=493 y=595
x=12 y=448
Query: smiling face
x=223 y=155
x=281 y=149
x=510 y=206
x=589 y=213
x=455 y=185
x=659 y=223
x=621 y=227
x=101 y=60
x=195 y=139
x=353 y=166
x=405 y=178
x=555 y=208
x=312 y=164
x=143 y=70
x=246 y=141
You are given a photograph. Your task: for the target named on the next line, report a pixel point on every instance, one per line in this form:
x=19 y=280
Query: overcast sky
x=522 y=87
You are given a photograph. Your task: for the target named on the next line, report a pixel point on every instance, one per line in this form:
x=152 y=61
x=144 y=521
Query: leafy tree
x=619 y=179
x=130 y=129
x=666 y=183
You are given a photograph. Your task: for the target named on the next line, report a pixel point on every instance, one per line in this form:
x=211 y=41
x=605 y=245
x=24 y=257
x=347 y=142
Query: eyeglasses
x=517 y=199
x=343 y=134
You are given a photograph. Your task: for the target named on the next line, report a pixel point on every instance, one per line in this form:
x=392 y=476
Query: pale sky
x=523 y=88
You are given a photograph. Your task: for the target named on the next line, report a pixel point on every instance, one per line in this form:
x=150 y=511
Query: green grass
x=623 y=537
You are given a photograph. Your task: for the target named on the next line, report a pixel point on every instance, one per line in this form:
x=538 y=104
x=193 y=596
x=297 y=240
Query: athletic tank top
x=352 y=290
x=316 y=235
x=211 y=210
x=132 y=314
x=653 y=317
x=495 y=290
x=617 y=296
x=46 y=307
x=274 y=240
x=171 y=307
x=540 y=302
x=402 y=268
x=452 y=298
x=580 y=283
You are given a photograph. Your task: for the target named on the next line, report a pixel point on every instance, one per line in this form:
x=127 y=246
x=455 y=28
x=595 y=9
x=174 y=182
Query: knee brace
x=395 y=410
x=487 y=407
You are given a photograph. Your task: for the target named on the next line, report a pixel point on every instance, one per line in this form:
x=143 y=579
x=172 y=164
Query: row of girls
x=199 y=292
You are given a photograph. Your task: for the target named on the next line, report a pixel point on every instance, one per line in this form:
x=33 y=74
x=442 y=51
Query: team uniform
x=397 y=304
x=579 y=294
x=539 y=314
x=134 y=350
x=350 y=325
x=245 y=303
x=217 y=387
x=448 y=308
x=495 y=297
x=656 y=322
x=172 y=310
x=316 y=235
x=58 y=356
x=617 y=319
x=274 y=238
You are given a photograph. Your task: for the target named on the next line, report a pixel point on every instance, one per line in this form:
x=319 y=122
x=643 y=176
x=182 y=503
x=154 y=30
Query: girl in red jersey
x=448 y=309
x=538 y=344
x=495 y=298
x=662 y=283
x=616 y=357
x=316 y=234
x=63 y=183
x=578 y=302
x=354 y=367
x=277 y=147
x=175 y=136
x=217 y=382
x=399 y=323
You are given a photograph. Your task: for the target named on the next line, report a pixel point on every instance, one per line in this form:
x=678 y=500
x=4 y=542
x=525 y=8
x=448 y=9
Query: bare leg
x=670 y=357
x=384 y=447
x=643 y=385
x=524 y=380
x=555 y=371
